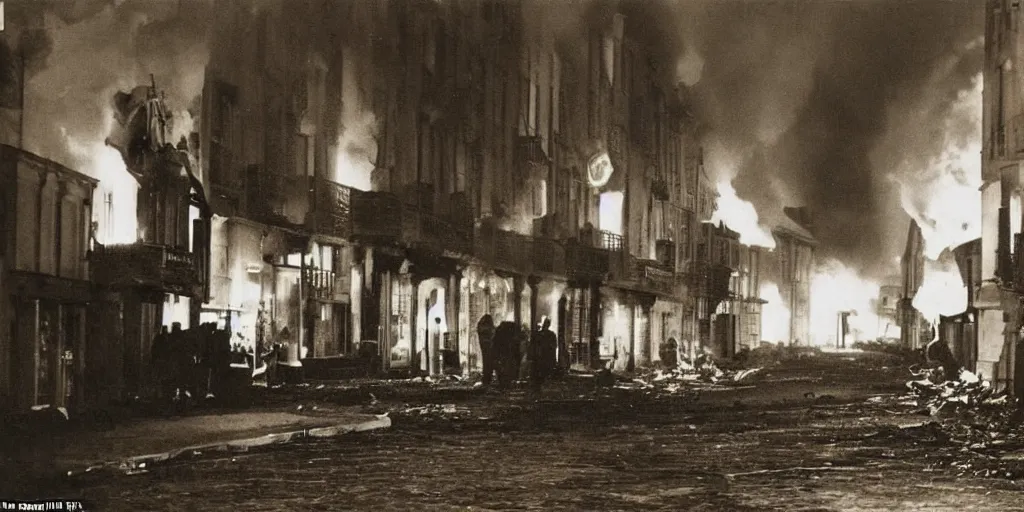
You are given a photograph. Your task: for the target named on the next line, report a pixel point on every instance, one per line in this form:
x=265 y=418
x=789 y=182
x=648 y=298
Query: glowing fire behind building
x=775 y=316
x=942 y=292
x=356 y=153
x=117 y=193
x=835 y=289
x=741 y=217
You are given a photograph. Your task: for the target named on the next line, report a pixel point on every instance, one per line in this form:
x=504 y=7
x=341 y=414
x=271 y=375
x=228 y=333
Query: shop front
x=48 y=326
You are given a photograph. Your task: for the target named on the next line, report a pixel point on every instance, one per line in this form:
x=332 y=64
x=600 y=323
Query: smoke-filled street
x=511 y=254
x=821 y=433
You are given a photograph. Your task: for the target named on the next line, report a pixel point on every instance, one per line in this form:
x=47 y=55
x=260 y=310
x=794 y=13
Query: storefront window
x=401 y=325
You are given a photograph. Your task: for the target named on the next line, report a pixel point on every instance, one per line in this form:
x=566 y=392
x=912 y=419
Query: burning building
x=161 y=276
x=915 y=331
x=999 y=296
x=790 y=267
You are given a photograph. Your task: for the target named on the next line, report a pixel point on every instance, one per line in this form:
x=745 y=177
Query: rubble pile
x=948 y=397
x=703 y=370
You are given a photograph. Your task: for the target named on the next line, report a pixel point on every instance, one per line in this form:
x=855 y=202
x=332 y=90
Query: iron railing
x=154 y=265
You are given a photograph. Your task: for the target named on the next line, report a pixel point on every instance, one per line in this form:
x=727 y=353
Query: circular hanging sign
x=599 y=170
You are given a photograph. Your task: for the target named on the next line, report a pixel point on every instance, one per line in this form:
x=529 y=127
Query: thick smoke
x=97 y=48
x=801 y=103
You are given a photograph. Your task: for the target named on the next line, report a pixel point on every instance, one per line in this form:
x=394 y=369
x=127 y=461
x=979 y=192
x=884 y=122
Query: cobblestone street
x=627 y=449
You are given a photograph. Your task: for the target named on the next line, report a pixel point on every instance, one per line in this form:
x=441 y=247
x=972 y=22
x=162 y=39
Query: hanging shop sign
x=599 y=170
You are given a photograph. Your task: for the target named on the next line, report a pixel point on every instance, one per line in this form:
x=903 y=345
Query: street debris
x=946 y=397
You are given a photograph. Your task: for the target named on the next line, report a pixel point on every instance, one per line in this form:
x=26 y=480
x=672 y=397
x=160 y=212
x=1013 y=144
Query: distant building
x=790 y=266
x=888 y=308
x=914 y=329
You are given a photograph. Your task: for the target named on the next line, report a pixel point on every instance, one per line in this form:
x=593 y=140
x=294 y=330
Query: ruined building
x=915 y=331
x=790 y=266
x=998 y=297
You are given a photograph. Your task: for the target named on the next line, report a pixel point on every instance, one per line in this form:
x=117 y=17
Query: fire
x=942 y=292
x=356 y=156
x=953 y=177
x=741 y=216
x=610 y=212
x=357 y=151
x=775 y=317
x=836 y=288
x=117 y=193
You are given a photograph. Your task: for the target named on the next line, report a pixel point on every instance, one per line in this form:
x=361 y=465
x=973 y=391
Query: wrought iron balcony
x=586 y=262
x=530 y=150
x=159 y=267
x=656 y=276
x=504 y=249
x=548 y=256
x=321 y=284
x=277 y=199
x=332 y=209
x=376 y=216
x=610 y=241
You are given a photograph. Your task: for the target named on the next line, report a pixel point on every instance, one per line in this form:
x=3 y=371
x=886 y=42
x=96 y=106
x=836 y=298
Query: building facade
x=915 y=331
x=999 y=295
x=510 y=174
x=50 y=352
x=790 y=266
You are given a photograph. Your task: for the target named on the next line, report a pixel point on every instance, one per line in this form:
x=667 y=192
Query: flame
x=116 y=218
x=610 y=212
x=953 y=177
x=942 y=292
x=741 y=216
x=836 y=288
x=356 y=156
x=357 y=151
x=775 y=316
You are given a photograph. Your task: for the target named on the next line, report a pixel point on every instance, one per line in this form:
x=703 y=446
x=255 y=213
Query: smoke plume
x=97 y=48
x=813 y=100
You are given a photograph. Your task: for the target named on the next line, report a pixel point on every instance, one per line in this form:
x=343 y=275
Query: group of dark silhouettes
x=505 y=348
x=187 y=362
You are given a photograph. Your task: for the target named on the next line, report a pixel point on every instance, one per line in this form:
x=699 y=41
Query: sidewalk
x=139 y=443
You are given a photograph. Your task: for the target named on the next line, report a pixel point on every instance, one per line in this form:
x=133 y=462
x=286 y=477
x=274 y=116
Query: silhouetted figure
x=670 y=353
x=544 y=354
x=485 y=334
x=938 y=351
x=506 y=352
x=161 y=354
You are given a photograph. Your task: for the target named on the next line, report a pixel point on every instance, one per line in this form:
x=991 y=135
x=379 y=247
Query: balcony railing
x=548 y=256
x=586 y=262
x=610 y=241
x=320 y=284
x=156 y=266
x=376 y=216
x=332 y=209
x=656 y=276
x=504 y=249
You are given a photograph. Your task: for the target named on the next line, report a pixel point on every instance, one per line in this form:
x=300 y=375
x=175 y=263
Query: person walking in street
x=506 y=353
x=485 y=335
x=544 y=351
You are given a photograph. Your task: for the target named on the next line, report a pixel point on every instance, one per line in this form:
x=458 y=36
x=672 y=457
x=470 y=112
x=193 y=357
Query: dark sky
x=831 y=104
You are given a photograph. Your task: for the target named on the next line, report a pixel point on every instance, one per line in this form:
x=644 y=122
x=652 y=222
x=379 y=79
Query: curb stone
x=137 y=462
